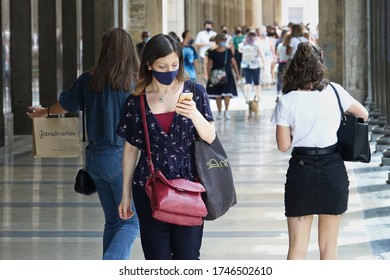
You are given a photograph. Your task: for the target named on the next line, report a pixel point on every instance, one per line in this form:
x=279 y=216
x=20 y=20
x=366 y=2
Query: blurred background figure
x=238 y=38
x=202 y=40
x=222 y=58
x=189 y=55
x=141 y=45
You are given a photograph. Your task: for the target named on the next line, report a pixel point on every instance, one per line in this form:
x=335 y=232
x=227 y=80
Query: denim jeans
x=105 y=168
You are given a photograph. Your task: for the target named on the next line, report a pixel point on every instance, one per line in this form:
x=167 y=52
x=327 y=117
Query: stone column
x=385 y=81
x=97 y=16
x=332 y=38
x=355 y=57
x=278 y=12
x=144 y=15
x=48 y=57
x=24 y=62
x=383 y=142
x=175 y=17
x=369 y=102
x=232 y=13
x=378 y=128
x=268 y=13
x=6 y=115
x=256 y=10
x=374 y=106
x=71 y=40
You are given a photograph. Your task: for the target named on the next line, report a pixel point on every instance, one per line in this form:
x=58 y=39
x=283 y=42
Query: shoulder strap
x=83 y=121
x=343 y=117
x=193 y=89
x=225 y=57
x=83 y=116
x=146 y=133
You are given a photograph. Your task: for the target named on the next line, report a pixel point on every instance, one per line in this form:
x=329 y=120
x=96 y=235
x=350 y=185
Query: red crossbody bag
x=175 y=201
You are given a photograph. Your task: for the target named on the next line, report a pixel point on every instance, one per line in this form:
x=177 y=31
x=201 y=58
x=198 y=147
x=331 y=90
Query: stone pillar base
x=7 y=150
x=383 y=142
x=386 y=158
x=377 y=132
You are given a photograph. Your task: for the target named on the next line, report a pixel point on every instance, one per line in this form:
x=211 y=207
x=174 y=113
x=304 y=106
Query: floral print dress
x=172 y=153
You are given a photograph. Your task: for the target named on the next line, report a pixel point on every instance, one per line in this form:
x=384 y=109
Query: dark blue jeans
x=163 y=241
x=105 y=168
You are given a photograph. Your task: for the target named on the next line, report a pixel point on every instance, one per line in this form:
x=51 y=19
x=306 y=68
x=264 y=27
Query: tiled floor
x=41 y=217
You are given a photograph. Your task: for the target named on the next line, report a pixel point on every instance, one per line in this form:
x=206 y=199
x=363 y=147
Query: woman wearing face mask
x=222 y=57
x=173 y=128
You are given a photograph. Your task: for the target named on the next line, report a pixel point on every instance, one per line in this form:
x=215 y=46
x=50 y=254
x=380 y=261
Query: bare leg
x=247 y=92
x=218 y=100
x=328 y=231
x=258 y=92
x=298 y=236
x=227 y=102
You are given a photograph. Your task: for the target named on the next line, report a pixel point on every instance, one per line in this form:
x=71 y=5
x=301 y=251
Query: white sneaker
x=227 y=115
x=219 y=116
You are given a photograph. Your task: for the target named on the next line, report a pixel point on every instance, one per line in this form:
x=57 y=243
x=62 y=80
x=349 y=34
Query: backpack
x=248 y=54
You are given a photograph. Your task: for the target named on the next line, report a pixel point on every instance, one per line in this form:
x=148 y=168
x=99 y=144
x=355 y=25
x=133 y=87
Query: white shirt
x=294 y=42
x=203 y=37
x=256 y=62
x=313 y=116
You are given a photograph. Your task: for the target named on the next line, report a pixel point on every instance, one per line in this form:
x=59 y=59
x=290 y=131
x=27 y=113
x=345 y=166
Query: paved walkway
x=42 y=218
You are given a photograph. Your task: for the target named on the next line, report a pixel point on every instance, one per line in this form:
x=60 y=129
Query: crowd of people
x=161 y=67
x=265 y=49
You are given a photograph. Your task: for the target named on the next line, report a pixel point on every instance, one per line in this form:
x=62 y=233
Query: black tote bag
x=353 y=137
x=215 y=174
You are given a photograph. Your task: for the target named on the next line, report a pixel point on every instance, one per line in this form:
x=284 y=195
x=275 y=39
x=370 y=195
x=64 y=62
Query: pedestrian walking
x=102 y=93
x=222 y=58
x=173 y=129
x=307 y=118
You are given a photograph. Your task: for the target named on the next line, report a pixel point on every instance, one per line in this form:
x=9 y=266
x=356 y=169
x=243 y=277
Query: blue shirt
x=173 y=152
x=189 y=56
x=103 y=110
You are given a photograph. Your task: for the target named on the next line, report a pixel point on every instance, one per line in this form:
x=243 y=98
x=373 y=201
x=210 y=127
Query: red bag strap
x=146 y=133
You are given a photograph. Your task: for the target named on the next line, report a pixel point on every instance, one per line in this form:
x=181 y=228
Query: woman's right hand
x=124 y=208
x=37 y=112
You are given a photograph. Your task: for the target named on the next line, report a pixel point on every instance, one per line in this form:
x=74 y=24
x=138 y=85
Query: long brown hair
x=158 y=46
x=118 y=62
x=306 y=70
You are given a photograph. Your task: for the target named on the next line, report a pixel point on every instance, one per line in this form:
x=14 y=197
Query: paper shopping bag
x=56 y=137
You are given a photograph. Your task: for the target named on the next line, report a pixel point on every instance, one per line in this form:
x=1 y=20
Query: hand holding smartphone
x=185 y=96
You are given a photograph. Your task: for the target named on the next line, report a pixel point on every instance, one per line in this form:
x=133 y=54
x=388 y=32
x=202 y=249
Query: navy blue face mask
x=165 y=78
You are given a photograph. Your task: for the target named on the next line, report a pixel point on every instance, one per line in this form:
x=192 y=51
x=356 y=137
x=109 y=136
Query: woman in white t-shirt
x=307 y=118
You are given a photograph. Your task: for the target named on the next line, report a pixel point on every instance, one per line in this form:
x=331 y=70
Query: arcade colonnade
x=46 y=44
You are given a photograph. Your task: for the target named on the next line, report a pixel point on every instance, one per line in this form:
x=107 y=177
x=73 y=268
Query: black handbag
x=352 y=137
x=215 y=174
x=84 y=183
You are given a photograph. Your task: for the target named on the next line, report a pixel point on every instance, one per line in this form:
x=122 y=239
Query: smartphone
x=185 y=96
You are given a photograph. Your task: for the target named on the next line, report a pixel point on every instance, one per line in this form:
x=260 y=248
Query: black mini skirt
x=316 y=184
